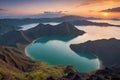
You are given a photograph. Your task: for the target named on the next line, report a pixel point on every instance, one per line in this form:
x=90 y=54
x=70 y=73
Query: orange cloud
x=92 y=2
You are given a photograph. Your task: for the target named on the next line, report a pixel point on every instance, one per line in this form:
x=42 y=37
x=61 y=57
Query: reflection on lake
x=95 y=33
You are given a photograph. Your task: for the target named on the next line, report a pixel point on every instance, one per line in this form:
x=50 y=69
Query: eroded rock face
x=108 y=51
x=13 y=59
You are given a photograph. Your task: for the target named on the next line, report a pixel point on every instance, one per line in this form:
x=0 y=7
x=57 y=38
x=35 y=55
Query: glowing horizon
x=89 y=8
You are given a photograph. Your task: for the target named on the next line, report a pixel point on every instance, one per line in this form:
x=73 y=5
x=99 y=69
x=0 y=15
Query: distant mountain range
x=90 y=23
x=42 y=20
x=47 y=14
x=75 y=20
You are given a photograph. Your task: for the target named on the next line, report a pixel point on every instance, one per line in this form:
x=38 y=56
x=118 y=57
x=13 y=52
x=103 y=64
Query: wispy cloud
x=93 y=2
x=117 y=9
x=3 y=9
x=54 y=12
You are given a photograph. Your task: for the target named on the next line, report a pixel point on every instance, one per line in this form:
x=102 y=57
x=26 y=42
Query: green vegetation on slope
x=14 y=65
x=41 y=71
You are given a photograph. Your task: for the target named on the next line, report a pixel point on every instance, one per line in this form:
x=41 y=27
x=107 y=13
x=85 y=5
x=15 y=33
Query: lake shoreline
x=27 y=54
x=93 y=37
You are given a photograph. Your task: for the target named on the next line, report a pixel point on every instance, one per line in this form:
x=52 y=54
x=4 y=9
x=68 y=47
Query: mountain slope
x=12 y=38
x=14 y=65
x=108 y=51
x=4 y=28
x=13 y=59
x=63 y=29
x=24 y=37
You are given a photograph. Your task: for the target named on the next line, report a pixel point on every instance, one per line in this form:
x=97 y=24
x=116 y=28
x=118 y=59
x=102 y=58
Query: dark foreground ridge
x=103 y=74
x=13 y=59
x=14 y=65
x=108 y=51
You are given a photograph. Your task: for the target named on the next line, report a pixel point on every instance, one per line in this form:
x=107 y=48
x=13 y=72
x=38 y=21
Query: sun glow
x=105 y=14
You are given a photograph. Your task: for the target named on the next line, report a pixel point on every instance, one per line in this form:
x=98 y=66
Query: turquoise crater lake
x=56 y=50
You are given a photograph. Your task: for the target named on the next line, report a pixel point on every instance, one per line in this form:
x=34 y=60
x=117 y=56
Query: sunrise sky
x=93 y=8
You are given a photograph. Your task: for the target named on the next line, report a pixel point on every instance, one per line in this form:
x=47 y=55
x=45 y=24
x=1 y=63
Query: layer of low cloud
x=117 y=9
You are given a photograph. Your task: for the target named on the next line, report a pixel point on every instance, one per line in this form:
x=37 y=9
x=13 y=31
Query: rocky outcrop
x=108 y=51
x=103 y=74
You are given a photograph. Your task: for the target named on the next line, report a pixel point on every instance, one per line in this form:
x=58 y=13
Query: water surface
x=56 y=50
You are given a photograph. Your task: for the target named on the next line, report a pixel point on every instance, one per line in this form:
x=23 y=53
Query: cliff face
x=108 y=51
x=13 y=59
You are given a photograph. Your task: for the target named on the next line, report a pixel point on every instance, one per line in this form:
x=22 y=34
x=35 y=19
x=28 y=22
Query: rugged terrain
x=24 y=37
x=108 y=51
x=14 y=65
